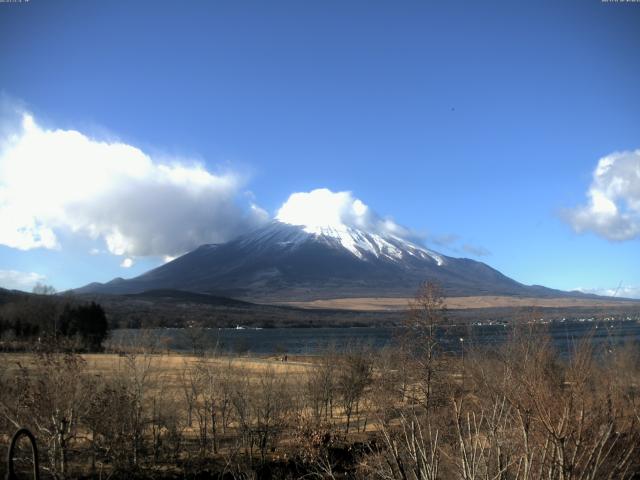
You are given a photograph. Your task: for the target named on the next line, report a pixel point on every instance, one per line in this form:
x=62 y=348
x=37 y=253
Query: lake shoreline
x=309 y=341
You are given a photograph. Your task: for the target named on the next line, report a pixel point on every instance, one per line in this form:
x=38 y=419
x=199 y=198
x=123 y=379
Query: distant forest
x=50 y=320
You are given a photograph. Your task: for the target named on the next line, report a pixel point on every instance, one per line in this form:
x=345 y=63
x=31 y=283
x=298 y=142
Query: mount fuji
x=282 y=262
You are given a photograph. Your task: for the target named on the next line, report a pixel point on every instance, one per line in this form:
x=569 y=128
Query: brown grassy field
x=167 y=368
x=170 y=395
x=459 y=303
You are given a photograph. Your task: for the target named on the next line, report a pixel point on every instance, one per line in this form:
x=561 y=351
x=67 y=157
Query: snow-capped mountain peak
x=360 y=243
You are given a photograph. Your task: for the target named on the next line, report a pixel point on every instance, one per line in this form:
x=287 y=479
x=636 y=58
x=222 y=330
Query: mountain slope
x=282 y=262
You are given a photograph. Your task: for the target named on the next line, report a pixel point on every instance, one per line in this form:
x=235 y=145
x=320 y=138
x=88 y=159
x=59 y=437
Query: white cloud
x=127 y=263
x=476 y=250
x=324 y=208
x=55 y=180
x=621 y=292
x=15 y=280
x=446 y=240
x=613 y=209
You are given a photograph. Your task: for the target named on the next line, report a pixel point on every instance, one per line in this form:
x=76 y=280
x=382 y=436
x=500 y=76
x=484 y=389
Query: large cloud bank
x=15 y=280
x=325 y=208
x=55 y=180
x=613 y=209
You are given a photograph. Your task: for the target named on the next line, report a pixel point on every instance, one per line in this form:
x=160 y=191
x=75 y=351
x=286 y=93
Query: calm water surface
x=564 y=335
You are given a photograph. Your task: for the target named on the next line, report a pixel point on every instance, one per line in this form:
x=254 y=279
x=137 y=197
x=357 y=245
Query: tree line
x=52 y=321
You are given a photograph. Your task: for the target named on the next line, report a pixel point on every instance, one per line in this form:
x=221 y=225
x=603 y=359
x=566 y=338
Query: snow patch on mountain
x=340 y=219
x=363 y=245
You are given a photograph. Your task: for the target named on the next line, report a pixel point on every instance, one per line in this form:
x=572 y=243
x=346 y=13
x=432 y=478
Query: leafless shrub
x=50 y=397
x=321 y=388
x=111 y=425
x=271 y=406
x=410 y=450
x=353 y=377
x=313 y=444
x=531 y=415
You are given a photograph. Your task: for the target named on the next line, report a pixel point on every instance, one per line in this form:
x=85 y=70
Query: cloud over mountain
x=613 y=209
x=324 y=208
x=62 y=180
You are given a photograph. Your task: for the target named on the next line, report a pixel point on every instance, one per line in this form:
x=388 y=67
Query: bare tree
x=138 y=376
x=426 y=315
x=271 y=405
x=354 y=376
x=189 y=388
x=411 y=450
x=42 y=289
x=321 y=386
x=214 y=400
x=195 y=335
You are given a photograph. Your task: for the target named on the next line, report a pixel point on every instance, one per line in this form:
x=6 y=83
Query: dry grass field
x=166 y=371
x=170 y=365
x=181 y=407
x=459 y=303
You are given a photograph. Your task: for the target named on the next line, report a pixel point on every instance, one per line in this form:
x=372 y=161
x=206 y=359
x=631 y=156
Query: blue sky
x=478 y=125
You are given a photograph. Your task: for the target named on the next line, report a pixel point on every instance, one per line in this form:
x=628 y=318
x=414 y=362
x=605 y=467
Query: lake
x=309 y=341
